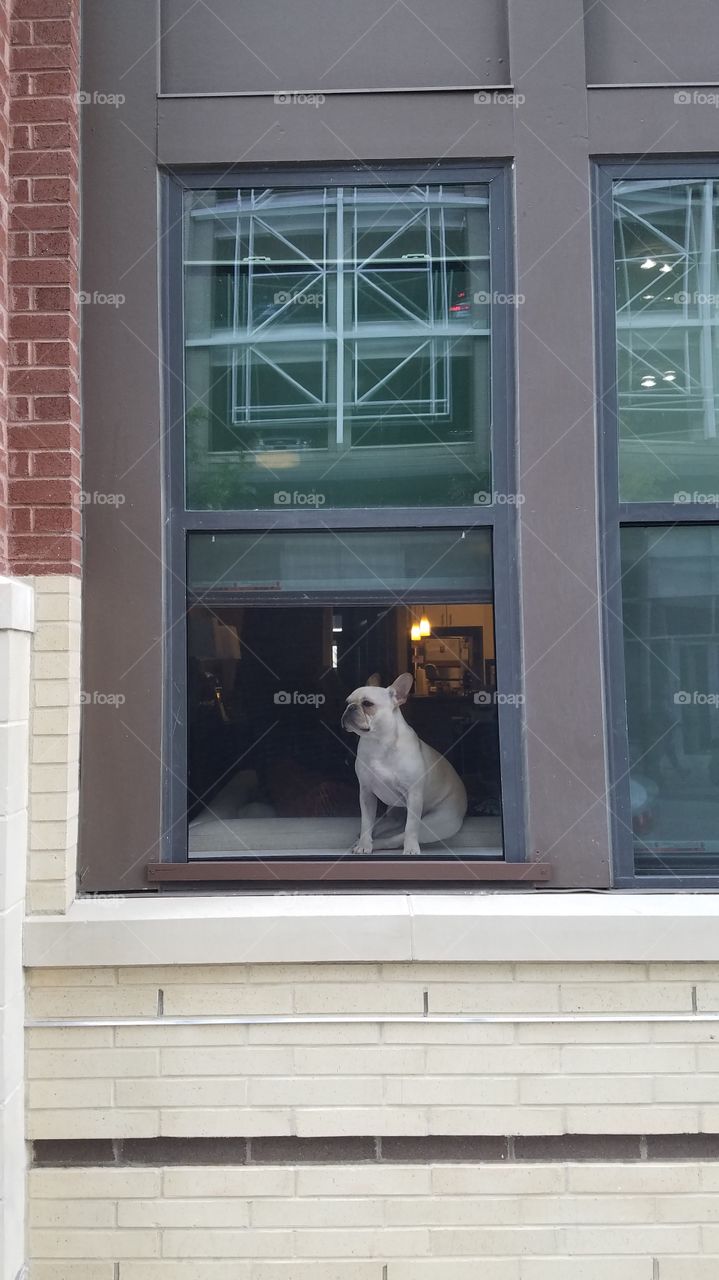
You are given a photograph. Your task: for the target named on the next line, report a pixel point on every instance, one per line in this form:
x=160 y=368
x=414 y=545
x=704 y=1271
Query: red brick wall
x=39 y=252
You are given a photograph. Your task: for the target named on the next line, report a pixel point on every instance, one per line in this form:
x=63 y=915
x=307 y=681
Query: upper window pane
x=667 y=350
x=337 y=346
x=670 y=584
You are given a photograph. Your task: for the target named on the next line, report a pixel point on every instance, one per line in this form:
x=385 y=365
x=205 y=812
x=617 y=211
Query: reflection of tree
x=214 y=483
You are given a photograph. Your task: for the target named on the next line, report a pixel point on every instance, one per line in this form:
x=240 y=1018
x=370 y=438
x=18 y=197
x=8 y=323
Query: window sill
x=505 y=926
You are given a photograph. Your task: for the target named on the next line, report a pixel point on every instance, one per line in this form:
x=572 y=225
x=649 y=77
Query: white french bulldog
x=396 y=767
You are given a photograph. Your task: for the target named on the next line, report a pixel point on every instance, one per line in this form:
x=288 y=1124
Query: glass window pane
x=282 y=628
x=337 y=343
x=667 y=339
x=670 y=582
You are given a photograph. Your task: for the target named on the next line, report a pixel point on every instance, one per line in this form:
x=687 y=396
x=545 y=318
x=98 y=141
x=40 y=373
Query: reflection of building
x=667 y=327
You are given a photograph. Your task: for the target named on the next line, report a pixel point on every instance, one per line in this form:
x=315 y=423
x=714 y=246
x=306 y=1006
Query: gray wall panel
x=270 y=45
x=120 y=792
x=346 y=128
x=650 y=122
x=651 y=41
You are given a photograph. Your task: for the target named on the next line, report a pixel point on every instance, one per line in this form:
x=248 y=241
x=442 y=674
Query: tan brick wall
x=536 y=1222
x=55 y=744
x=379 y=1077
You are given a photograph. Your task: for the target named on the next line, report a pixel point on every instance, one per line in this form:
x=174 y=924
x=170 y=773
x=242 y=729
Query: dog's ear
x=374 y=680
x=400 y=688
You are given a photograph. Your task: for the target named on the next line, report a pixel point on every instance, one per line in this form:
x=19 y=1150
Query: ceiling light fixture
x=647 y=264
x=649 y=381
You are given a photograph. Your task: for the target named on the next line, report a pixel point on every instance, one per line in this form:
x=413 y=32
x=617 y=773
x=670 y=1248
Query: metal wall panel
x=272 y=45
x=651 y=41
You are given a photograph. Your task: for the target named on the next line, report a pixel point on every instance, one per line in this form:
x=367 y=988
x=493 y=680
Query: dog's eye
x=366 y=702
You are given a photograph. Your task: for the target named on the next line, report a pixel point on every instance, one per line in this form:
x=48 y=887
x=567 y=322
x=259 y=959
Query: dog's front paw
x=363 y=845
x=411 y=846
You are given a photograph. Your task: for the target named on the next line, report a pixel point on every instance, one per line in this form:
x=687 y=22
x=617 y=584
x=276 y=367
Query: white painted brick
x=185 y=975
x=72 y=1213
x=360 y=1212
x=227 y=1244
x=626 y=997
x=226 y=998
x=76 y=1093
x=50 y=864
x=691 y=1268
x=622 y=1240
x=314 y=974
x=491 y=1061
x=708 y=1176
x=169 y=1037
x=709 y=1119
x=98 y=976
x=88 y=1184
x=226 y=1062
x=80 y=1270
x=451 y=1090
x=617 y=1119
x=56 y=692
x=436 y=1269
x=316 y=1033
x=382 y=1180
x=589 y=971
x=449 y=971
x=348 y=1060
x=606 y=1268
x=188 y=1214
x=585 y=1089
x=342 y=1121
x=495 y=1120
x=225 y=1122
x=56 y=638
x=49 y=1064
x=707 y=997
x=455 y=1211
x=631 y=1179
x=50 y=777
x=465 y=1034
x=50 y=897
x=339 y=1243
x=707 y=1056
x=687 y=1208
x=208 y=1182
x=617 y=1059
x=589 y=1209
x=604 y=1033
x=68 y=1037
x=94 y=1244
x=92 y=1124
x=212 y=1092
x=686 y=1088
x=85 y=1002
x=496 y=1180
x=394 y=997
x=329 y=1091
x=174 y=1270
x=54 y=750
x=500 y=1241
x=493 y=998
x=54 y=808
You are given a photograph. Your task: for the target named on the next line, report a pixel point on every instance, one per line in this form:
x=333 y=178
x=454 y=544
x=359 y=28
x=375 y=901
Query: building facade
x=341 y=343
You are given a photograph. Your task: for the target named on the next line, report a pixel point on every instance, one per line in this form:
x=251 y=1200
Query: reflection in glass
x=670 y=579
x=337 y=344
x=270 y=769
x=667 y=339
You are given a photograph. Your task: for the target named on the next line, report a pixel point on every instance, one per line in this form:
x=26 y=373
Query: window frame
x=500 y=519
x=615 y=514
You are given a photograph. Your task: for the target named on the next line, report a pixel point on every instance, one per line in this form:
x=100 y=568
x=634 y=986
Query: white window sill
x=384 y=927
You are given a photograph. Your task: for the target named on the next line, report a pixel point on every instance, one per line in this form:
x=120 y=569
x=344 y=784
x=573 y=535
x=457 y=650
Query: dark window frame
x=616 y=514
x=501 y=519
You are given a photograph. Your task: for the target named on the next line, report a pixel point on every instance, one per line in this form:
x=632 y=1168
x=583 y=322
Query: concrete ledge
x=17 y=605
x=542 y=926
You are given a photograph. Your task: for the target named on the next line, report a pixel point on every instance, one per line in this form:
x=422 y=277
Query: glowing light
x=647 y=264
x=415 y=633
x=424 y=627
